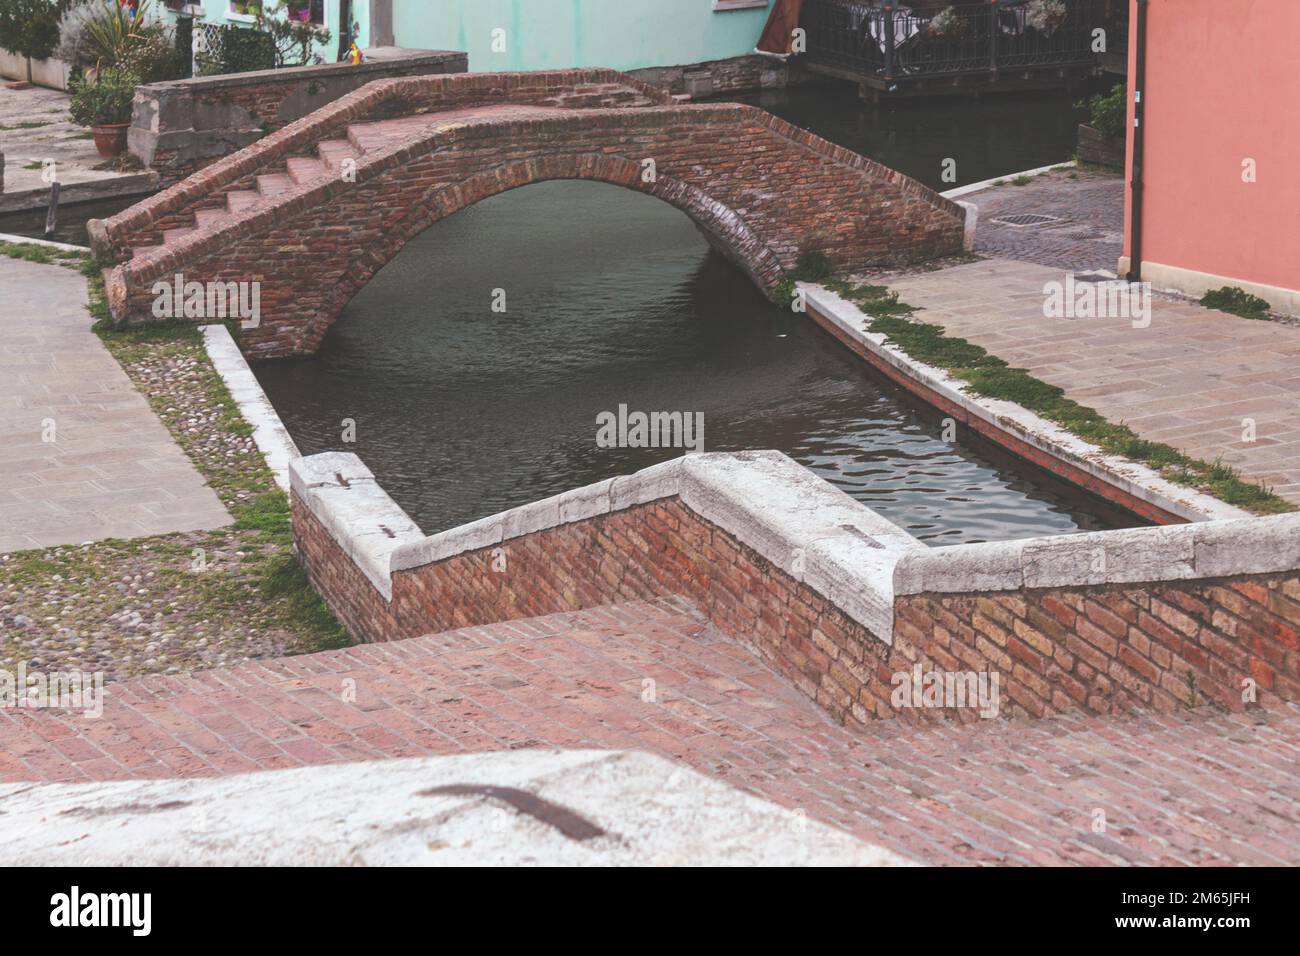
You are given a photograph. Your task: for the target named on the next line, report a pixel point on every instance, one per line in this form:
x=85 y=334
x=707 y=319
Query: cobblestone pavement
x=111 y=469
x=1200 y=788
x=1088 y=236
x=1195 y=379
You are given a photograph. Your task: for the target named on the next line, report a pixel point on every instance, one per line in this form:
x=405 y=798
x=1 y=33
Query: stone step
x=143 y=252
x=273 y=184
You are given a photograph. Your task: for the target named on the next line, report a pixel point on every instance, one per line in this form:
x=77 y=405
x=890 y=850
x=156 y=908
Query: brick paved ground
x=1090 y=235
x=1192 y=379
x=1191 y=789
x=113 y=470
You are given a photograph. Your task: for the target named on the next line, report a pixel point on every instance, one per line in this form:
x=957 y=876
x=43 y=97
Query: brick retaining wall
x=1100 y=648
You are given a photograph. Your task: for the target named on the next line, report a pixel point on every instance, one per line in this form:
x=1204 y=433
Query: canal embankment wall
x=831 y=595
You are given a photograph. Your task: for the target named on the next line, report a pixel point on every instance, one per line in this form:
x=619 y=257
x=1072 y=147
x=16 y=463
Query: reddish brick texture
x=1101 y=650
x=763 y=190
x=1195 y=788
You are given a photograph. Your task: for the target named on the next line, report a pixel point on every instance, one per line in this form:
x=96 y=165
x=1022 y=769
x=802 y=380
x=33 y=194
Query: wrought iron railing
x=899 y=40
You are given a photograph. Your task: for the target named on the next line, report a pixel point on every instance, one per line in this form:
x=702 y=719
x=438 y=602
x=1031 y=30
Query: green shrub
x=1235 y=301
x=812 y=267
x=106 y=100
x=1109 y=112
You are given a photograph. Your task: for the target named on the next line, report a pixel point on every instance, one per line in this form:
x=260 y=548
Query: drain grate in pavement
x=1025 y=219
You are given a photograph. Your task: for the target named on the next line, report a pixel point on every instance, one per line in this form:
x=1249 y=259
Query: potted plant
x=1045 y=16
x=1101 y=139
x=105 y=106
x=299 y=10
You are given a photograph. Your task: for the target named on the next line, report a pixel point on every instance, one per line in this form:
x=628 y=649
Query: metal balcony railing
x=900 y=40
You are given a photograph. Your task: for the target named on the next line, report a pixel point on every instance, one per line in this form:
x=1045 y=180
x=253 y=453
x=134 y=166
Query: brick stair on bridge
x=299 y=174
x=1198 y=788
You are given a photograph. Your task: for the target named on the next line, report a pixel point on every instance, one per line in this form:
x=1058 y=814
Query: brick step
x=211 y=218
x=143 y=252
x=237 y=200
x=306 y=169
x=180 y=232
x=334 y=151
x=273 y=184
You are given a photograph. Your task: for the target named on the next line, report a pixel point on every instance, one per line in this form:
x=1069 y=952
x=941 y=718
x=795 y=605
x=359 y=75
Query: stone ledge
x=646 y=811
x=343 y=495
x=1209 y=549
x=273 y=439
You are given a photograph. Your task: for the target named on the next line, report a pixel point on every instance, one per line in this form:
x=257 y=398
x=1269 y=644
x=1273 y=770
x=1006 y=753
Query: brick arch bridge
x=313 y=211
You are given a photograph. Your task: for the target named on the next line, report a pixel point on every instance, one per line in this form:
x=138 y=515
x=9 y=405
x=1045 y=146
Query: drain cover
x=1025 y=219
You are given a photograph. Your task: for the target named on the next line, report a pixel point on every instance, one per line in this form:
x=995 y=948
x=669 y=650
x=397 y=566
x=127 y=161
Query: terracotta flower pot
x=110 y=138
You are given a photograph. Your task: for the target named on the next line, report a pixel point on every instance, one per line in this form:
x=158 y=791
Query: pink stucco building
x=1217 y=146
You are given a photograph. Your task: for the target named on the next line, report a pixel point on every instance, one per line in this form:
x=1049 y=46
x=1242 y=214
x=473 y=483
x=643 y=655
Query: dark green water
x=613 y=298
x=985 y=138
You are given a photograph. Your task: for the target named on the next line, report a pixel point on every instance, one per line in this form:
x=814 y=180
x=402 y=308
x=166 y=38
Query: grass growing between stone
x=175 y=602
x=990 y=376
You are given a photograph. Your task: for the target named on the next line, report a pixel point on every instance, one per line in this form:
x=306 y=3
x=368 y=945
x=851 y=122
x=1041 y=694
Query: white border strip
x=1128 y=476
x=49 y=244
x=1003 y=180
x=272 y=438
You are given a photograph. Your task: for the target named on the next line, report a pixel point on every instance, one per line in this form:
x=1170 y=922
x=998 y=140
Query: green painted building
x=550 y=34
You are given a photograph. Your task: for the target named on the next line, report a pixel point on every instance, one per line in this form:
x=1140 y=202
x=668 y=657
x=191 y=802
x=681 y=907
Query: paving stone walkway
x=1087 y=231
x=112 y=469
x=1201 y=788
x=1195 y=379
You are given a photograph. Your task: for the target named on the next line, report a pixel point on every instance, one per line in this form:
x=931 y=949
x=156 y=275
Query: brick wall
x=1097 y=649
x=181 y=126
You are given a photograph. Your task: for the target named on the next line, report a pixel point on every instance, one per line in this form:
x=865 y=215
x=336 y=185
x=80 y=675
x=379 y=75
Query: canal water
x=613 y=298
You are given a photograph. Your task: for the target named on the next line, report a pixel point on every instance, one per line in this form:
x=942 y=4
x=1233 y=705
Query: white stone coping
x=273 y=439
x=1207 y=549
x=345 y=498
x=1128 y=476
x=48 y=243
x=653 y=812
x=990 y=183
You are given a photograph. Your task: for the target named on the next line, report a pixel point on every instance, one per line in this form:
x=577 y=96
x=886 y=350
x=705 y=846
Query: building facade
x=1217 y=201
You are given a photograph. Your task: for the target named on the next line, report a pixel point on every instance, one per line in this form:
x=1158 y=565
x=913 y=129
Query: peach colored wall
x=1222 y=85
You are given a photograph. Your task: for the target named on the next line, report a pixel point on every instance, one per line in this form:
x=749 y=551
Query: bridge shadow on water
x=614 y=298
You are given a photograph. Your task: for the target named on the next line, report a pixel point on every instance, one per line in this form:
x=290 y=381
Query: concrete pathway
x=111 y=469
x=1195 y=379
x=1196 y=788
x=35 y=126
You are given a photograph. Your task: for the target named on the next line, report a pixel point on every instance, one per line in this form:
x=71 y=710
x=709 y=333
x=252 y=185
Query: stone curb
x=273 y=439
x=1127 y=476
